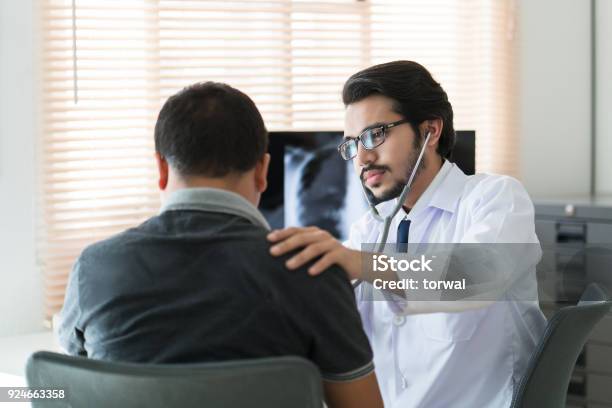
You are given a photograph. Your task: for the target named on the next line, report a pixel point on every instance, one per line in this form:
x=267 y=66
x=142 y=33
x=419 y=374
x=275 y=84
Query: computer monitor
x=464 y=151
x=309 y=184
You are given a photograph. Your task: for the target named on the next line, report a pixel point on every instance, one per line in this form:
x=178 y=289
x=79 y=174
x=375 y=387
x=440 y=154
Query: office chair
x=545 y=383
x=268 y=382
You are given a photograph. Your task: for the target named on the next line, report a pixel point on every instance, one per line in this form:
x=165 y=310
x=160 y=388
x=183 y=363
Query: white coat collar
x=444 y=191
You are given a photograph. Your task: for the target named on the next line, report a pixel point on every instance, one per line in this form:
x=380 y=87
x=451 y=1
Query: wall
x=555 y=101
x=20 y=287
x=603 y=142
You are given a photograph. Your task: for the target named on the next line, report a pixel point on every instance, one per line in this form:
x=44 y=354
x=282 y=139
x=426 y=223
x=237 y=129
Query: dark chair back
x=550 y=368
x=268 y=382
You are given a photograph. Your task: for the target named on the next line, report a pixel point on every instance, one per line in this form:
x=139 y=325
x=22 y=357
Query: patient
x=196 y=282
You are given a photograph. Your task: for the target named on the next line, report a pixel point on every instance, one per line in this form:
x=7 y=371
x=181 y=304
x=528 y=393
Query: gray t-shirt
x=194 y=285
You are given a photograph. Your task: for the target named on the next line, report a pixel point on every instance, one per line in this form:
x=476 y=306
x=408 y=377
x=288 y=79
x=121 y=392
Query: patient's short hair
x=210 y=129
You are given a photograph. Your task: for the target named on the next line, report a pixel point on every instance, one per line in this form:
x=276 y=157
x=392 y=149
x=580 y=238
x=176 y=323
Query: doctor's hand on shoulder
x=314 y=243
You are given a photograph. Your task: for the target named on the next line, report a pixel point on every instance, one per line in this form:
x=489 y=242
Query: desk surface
x=9 y=380
x=602 y=200
x=15 y=350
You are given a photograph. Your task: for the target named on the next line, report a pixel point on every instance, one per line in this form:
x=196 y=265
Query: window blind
x=108 y=66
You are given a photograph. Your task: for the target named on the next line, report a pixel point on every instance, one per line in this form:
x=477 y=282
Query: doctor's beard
x=396 y=189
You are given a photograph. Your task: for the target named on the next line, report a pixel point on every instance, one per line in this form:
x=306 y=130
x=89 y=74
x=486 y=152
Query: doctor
x=425 y=355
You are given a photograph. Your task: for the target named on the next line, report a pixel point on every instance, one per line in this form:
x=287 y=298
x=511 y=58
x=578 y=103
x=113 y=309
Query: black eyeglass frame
x=355 y=140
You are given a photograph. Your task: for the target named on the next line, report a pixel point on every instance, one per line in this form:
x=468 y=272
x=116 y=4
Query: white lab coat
x=474 y=358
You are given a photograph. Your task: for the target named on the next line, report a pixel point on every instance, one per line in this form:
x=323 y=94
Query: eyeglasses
x=369 y=138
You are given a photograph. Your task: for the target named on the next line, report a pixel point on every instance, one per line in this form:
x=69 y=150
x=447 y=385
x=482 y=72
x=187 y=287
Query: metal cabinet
x=576 y=236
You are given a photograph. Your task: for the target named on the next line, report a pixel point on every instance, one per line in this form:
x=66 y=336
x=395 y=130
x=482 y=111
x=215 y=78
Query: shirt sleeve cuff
x=350 y=375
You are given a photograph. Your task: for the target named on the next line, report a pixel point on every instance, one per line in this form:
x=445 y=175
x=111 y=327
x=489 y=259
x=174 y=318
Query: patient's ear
x=162 y=169
x=261 y=173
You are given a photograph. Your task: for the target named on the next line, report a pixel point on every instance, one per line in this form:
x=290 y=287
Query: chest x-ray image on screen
x=309 y=184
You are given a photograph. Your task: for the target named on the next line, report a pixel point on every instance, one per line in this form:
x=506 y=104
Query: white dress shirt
x=474 y=358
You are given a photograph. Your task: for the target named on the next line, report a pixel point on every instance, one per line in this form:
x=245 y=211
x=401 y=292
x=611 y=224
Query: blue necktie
x=402 y=236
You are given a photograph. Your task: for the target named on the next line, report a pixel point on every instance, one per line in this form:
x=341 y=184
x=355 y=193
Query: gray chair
x=268 y=382
x=550 y=368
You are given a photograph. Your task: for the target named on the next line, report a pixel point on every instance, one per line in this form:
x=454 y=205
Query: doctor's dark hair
x=416 y=95
x=210 y=129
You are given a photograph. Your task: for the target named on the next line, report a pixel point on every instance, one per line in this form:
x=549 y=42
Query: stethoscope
x=386 y=221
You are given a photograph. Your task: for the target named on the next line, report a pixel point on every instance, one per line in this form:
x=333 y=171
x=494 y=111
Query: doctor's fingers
x=300 y=239
x=310 y=252
x=330 y=258
x=282 y=234
x=347 y=259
